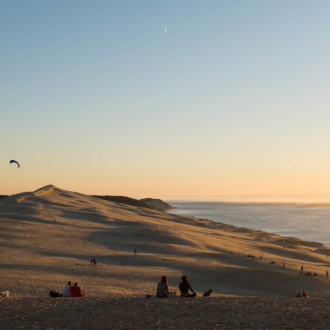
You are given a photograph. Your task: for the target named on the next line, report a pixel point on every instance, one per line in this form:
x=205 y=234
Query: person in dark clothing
x=185 y=287
x=162 y=288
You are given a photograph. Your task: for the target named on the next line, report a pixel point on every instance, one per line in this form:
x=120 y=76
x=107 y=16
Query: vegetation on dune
x=126 y=200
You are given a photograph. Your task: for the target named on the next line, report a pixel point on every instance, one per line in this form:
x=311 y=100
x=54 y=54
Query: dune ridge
x=39 y=192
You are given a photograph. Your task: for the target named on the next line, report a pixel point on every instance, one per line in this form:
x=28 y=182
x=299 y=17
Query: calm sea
x=291 y=219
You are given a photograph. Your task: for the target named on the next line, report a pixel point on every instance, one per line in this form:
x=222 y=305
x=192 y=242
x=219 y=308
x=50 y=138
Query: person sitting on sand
x=76 y=291
x=93 y=262
x=304 y=294
x=207 y=293
x=4 y=294
x=67 y=289
x=185 y=287
x=162 y=288
x=299 y=295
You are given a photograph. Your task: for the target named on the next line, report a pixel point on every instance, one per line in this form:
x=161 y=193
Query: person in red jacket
x=76 y=291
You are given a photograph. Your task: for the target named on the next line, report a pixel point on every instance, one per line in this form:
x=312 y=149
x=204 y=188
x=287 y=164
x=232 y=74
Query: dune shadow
x=286 y=253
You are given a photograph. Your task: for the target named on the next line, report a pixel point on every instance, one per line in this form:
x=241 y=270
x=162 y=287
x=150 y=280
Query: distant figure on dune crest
x=135 y=252
x=162 y=288
x=76 y=291
x=67 y=289
x=301 y=269
x=185 y=287
x=207 y=293
x=93 y=262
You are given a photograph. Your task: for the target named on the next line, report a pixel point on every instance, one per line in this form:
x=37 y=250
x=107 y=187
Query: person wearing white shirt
x=67 y=289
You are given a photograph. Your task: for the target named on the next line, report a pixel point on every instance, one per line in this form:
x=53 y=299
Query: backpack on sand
x=55 y=294
x=171 y=294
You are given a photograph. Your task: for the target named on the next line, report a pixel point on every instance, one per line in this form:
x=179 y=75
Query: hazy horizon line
x=254 y=199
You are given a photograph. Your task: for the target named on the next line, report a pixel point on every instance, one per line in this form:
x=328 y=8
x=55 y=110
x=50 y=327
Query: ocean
x=303 y=221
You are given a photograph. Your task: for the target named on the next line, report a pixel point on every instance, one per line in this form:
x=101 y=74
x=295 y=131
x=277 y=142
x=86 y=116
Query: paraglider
x=14 y=161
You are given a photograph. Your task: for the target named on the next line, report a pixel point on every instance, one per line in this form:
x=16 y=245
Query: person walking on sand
x=185 y=287
x=162 y=288
x=135 y=252
x=327 y=273
x=67 y=289
x=301 y=269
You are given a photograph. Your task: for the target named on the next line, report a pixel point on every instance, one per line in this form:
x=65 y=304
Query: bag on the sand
x=171 y=294
x=55 y=294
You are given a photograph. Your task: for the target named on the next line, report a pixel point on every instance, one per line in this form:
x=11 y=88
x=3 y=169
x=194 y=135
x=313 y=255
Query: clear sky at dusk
x=231 y=101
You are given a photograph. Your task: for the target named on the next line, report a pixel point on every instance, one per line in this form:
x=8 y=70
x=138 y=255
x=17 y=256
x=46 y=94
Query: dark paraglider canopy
x=14 y=161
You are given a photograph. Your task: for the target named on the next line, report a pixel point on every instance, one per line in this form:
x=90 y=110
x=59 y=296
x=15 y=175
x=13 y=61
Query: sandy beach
x=49 y=236
x=140 y=313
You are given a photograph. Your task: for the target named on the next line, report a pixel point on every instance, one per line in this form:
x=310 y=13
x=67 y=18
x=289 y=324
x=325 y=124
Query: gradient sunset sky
x=232 y=101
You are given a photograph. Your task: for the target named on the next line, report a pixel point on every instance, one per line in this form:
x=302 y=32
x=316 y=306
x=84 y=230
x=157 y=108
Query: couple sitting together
x=73 y=290
x=302 y=295
x=162 y=288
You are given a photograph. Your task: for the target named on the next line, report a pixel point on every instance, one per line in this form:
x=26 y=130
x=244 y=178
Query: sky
x=231 y=101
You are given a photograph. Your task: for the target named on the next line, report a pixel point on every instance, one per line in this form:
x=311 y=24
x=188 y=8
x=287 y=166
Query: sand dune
x=48 y=236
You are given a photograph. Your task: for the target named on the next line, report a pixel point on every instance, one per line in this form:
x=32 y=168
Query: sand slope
x=48 y=236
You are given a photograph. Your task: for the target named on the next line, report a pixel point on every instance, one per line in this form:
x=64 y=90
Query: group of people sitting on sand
x=308 y=274
x=184 y=286
x=302 y=295
x=73 y=290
